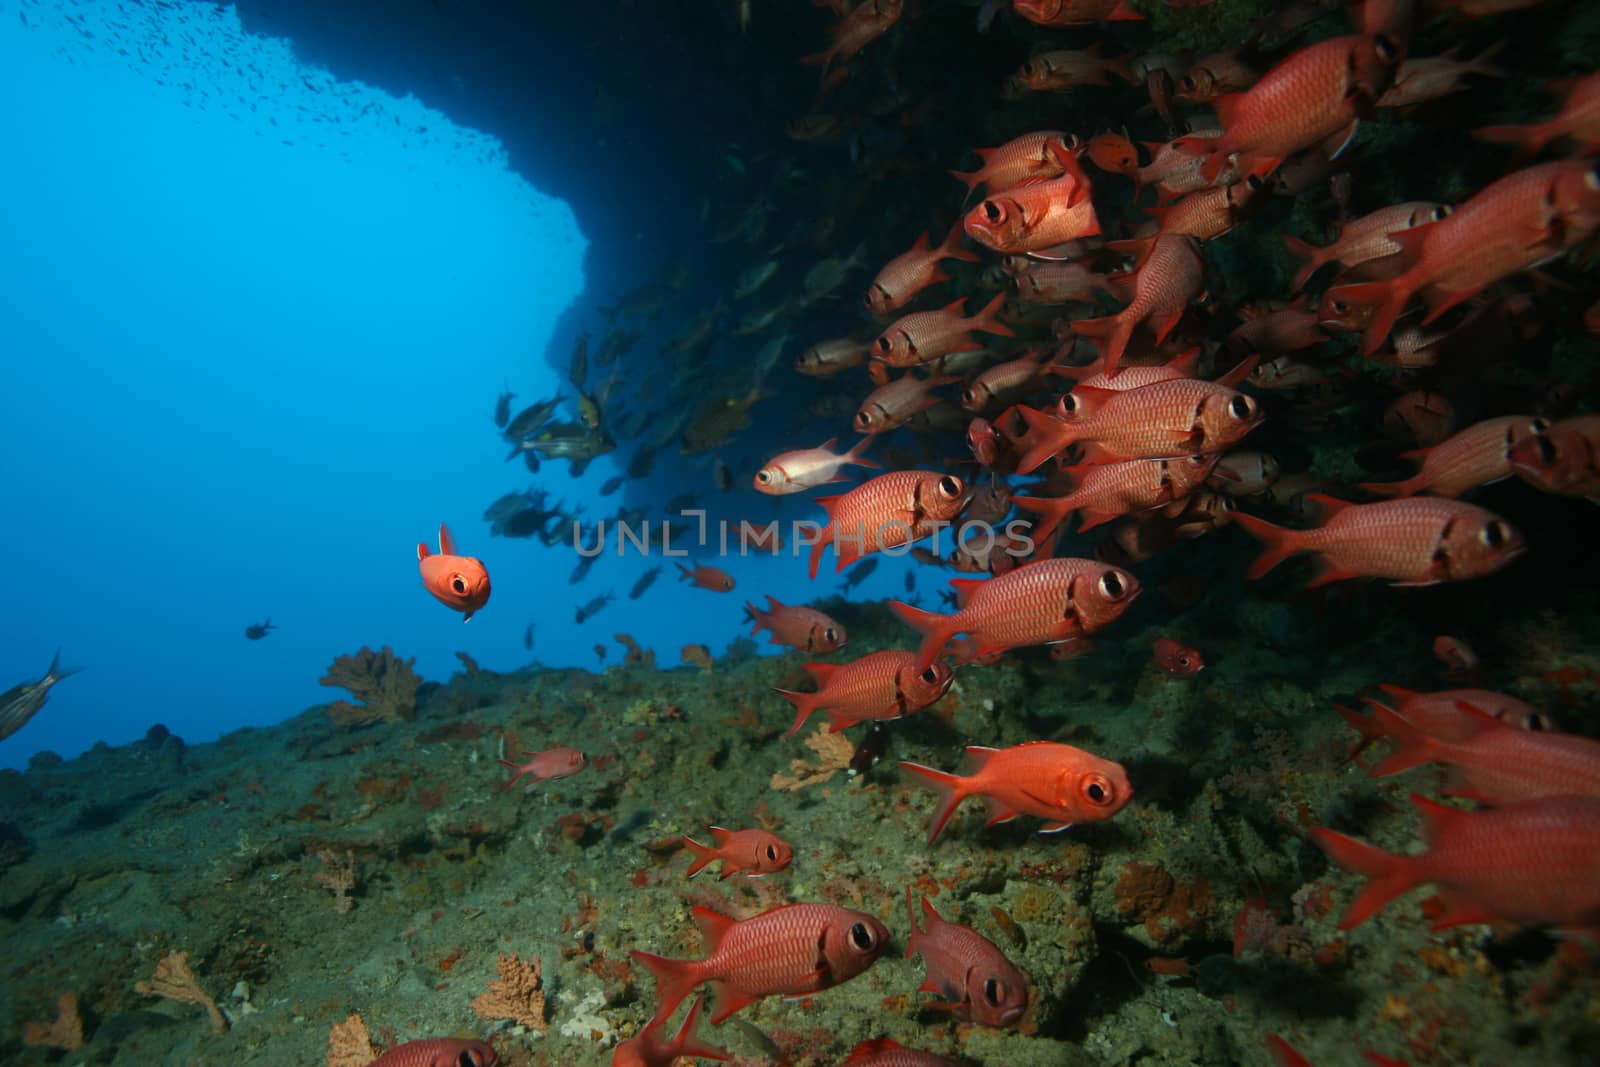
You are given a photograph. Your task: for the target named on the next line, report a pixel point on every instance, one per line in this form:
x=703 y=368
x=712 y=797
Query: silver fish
x=22 y=702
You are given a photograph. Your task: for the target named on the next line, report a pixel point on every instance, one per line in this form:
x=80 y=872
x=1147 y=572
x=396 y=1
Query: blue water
x=257 y=320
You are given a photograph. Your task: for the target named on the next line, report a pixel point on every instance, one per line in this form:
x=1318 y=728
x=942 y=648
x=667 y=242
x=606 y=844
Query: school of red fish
x=1145 y=442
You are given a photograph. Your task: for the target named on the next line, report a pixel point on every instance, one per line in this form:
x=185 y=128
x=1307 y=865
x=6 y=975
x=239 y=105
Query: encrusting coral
x=349 y=1045
x=175 y=981
x=66 y=1032
x=517 y=995
x=385 y=684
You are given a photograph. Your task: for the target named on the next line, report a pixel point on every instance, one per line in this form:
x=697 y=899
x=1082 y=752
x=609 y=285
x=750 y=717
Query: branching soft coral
x=385 y=684
x=175 y=981
x=517 y=995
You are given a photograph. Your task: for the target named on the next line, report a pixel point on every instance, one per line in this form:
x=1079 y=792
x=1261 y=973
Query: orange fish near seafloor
x=791 y=950
x=880 y=685
x=559 y=762
x=1178 y=660
x=713 y=578
x=1412 y=541
x=439 y=1052
x=806 y=629
x=647 y=1048
x=458 y=582
x=1039 y=603
x=1531 y=863
x=755 y=851
x=976 y=979
x=887 y=1052
x=888 y=511
x=1063 y=784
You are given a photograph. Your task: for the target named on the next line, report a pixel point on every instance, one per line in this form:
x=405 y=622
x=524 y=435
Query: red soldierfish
x=1476 y=456
x=1531 y=863
x=879 y=685
x=800 y=627
x=1314 y=96
x=558 y=762
x=1032 y=157
x=1564 y=460
x=439 y=1052
x=807 y=468
x=865 y=23
x=459 y=582
x=1053 y=781
x=1169 y=276
x=976 y=980
x=1518 y=222
x=647 y=1048
x=1367 y=238
x=753 y=850
x=713 y=578
x=1039 y=216
x=924 y=336
x=1163 y=420
x=1499 y=763
x=887 y=1052
x=895 y=402
x=1039 y=603
x=1073 y=12
x=907 y=274
x=1177 y=660
x=1579 y=120
x=1109 y=491
x=791 y=950
x=888 y=511
x=1413 y=541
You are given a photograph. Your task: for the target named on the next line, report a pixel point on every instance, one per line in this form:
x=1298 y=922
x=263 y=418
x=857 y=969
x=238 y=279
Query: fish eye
x=1183 y=660
x=1538 y=426
x=992 y=991
x=882 y=344
x=1096 y=789
x=931 y=675
x=969 y=396
x=763 y=477
x=1495 y=535
x=1241 y=407
x=1384 y=48
x=1591 y=178
x=1443 y=211
x=861 y=937
x=469 y=1058
x=949 y=487
x=1112 y=585
x=863 y=419
x=458 y=584
x=1253 y=182
x=1547 y=450
x=830 y=635
x=1339 y=306
x=1068 y=404
x=992 y=211
x=1187 y=83
x=1538 y=723
x=772 y=854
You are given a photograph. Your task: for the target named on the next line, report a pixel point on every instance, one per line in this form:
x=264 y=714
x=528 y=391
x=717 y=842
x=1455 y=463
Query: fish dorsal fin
x=1330 y=505
x=718 y=834
x=1399 y=692
x=1185 y=363
x=868 y=1049
x=829 y=443
x=929 y=913
x=1094 y=392
x=1235 y=377
x=978 y=756
x=713 y=925
x=447 y=544
x=1411 y=240
x=958 y=305
x=966 y=587
x=773 y=603
x=822 y=672
x=1480 y=719
x=826 y=503
x=1435 y=816
x=1227 y=108
x=422 y=552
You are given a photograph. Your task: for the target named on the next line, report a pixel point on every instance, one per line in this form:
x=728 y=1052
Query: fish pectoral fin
x=1055 y=827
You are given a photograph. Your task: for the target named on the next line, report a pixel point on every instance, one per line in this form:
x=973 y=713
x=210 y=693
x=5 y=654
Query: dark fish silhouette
x=256 y=631
x=22 y=702
x=527 y=638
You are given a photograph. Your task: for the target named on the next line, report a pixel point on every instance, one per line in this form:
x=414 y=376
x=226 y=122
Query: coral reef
x=175 y=981
x=385 y=686
x=517 y=994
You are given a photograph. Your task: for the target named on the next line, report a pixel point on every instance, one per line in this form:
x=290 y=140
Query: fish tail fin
x=1408 y=487
x=674 y=981
x=1310 y=256
x=1113 y=331
x=988 y=321
x=936 y=630
x=703 y=855
x=688 y=1043
x=1389 y=875
x=951 y=248
x=1412 y=747
x=1529 y=140
x=1387 y=297
x=951 y=789
x=804 y=705
x=1278 y=543
x=855 y=455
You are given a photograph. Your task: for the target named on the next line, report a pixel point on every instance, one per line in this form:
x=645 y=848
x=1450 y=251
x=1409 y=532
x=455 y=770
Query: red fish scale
x=1151 y=422
x=1489 y=236
x=1048 y=218
x=437 y=1052
x=1391 y=539
x=870 y=506
x=1029 y=605
x=887 y=1053
x=775 y=952
x=1167 y=281
x=1476 y=456
x=897 y=401
x=1504 y=764
x=1118 y=488
x=1536 y=862
x=1368 y=237
x=951 y=952
x=867 y=687
x=1299 y=102
x=795 y=625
